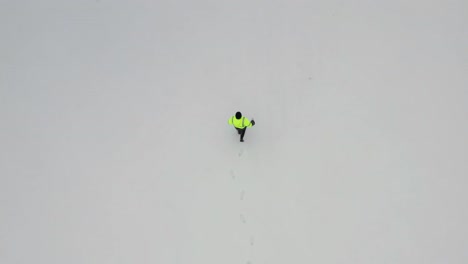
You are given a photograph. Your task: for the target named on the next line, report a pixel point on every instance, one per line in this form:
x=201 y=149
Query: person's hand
x=253 y=122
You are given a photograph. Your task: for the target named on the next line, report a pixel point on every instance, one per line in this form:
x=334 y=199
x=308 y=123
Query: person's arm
x=248 y=123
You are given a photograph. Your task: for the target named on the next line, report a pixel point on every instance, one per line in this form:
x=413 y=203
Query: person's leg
x=238 y=130
x=242 y=134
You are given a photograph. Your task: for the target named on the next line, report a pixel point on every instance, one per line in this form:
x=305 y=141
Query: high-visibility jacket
x=240 y=123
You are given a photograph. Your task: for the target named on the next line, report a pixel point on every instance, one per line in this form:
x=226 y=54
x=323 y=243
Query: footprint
x=252 y=241
x=233 y=175
x=242 y=218
x=241 y=152
x=242 y=195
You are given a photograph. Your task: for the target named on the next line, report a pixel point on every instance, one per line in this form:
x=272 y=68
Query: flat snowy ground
x=115 y=147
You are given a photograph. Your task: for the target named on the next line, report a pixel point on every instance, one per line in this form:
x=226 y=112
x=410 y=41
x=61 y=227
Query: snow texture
x=115 y=146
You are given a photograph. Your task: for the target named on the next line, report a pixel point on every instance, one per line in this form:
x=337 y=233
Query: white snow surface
x=115 y=146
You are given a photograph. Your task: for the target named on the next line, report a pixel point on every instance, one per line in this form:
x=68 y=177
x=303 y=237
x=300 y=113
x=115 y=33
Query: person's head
x=238 y=115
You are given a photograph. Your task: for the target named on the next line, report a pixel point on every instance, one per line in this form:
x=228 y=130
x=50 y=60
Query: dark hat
x=238 y=115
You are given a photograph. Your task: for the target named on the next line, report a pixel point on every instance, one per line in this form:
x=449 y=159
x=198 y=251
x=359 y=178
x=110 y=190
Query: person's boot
x=242 y=140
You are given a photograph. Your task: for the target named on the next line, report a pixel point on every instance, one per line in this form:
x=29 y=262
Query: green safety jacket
x=240 y=123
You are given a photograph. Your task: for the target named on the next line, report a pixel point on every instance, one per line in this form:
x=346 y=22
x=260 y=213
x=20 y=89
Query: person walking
x=241 y=123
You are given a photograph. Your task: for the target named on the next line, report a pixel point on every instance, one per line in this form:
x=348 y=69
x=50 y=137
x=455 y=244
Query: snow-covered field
x=115 y=146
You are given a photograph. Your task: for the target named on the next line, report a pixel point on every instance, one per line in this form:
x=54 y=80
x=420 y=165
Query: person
x=241 y=123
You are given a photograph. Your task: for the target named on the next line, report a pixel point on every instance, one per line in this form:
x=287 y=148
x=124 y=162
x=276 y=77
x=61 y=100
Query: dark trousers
x=241 y=132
